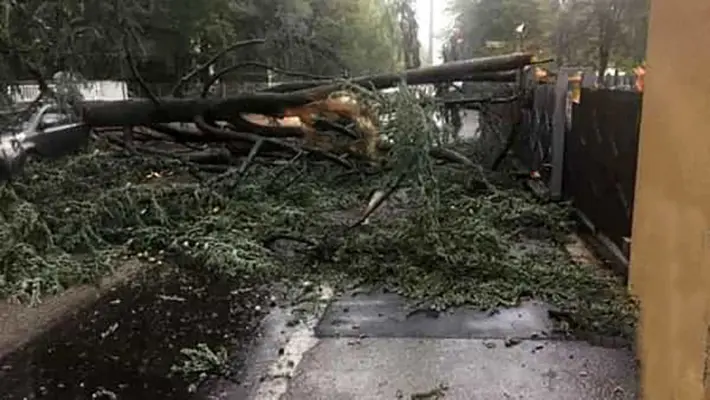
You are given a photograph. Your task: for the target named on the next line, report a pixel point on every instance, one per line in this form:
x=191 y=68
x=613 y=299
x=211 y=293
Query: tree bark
x=604 y=53
x=137 y=112
x=496 y=69
x=494 y=76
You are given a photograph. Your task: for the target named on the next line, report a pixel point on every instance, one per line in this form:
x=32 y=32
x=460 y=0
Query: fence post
x=589 y=78
x=559 y=122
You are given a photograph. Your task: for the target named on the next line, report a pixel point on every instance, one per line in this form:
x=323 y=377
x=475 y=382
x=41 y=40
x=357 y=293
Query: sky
x=441 y=21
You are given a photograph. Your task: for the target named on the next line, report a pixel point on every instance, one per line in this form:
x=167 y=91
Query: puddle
x=123 y=347
x=387 y=315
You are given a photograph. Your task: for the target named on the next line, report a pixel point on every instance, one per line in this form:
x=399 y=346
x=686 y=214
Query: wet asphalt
x=125 y=345
x=364 y=344
x=128 y=343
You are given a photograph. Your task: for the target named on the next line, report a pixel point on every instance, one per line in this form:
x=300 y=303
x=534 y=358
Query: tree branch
x=225 y=71
x=204 y=67
x=136 y=75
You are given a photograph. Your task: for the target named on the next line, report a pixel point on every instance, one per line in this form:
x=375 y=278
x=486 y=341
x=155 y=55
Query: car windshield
x=53 y=118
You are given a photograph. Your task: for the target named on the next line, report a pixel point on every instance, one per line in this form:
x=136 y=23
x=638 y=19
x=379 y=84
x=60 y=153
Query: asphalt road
x=125 y=345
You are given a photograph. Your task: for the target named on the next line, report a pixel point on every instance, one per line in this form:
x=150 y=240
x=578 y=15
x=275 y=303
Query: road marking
x=301 y=340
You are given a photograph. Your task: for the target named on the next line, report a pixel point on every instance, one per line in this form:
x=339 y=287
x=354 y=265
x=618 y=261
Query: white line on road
x=300 y=341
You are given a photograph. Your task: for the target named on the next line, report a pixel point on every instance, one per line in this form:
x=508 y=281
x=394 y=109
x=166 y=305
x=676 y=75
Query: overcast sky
x=441 y=22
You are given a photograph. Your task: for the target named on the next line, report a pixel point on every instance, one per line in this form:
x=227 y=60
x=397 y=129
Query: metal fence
x=600 y=161
x=586 y=152
x=25 y=92
x=540 y=143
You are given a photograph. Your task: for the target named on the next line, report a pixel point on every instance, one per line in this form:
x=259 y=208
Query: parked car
x=48 y=133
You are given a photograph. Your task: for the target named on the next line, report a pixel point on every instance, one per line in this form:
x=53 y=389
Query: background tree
x=585 y=33
x=484 y=21
x=167 y=38
x=409 y=27
x=362 y=31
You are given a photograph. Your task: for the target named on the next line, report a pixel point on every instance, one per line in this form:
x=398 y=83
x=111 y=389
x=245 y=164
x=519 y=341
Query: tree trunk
x=605 y=43
x=603 y=63
x=496 y=69
x=137 y=112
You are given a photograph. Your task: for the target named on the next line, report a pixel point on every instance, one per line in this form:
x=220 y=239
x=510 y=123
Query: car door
x=55 y=134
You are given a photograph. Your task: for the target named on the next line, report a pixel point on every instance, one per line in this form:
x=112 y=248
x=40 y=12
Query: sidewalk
x=369 y=346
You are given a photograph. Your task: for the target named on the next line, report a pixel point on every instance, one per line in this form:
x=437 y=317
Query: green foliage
x=199 y=362
x=496 y=20
x=483 y=253
x=72 y=221
x=451 y=236
x=574 y=32
x=597 y=33
x=170 y=37
x=404 y=12
x=363 y=30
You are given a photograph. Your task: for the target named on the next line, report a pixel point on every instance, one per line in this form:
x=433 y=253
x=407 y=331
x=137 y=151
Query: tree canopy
x=596 y=33
x=167 y=38
x=485 y=21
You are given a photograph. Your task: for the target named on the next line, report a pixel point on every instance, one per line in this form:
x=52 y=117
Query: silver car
x=49 y=133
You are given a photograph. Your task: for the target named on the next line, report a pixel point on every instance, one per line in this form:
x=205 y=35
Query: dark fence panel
x=534 y=146
x=600 y=160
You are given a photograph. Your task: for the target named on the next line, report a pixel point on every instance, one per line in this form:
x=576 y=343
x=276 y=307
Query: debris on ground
x=437 y=393
x=456 y=234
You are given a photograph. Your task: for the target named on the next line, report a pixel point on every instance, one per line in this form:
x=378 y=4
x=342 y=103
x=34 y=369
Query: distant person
x=575 y=84
x=640 y=73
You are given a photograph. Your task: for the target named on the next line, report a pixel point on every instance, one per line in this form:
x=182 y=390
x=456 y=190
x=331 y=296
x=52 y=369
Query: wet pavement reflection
x=123 y=347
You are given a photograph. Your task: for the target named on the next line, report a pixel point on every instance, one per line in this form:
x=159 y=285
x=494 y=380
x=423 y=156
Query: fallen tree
x=275 y=101
x=273 y=184
x=328 y=118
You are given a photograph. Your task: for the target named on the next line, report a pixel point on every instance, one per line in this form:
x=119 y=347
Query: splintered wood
x=340 y=107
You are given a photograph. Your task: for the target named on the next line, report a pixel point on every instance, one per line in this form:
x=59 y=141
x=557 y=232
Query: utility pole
x=431 y=32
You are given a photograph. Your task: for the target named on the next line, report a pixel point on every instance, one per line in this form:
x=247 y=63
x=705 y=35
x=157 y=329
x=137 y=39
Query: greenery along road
x=585 y=33
x=456 y=236
x=69 y=221
x=450 y=240
x=170 y=36
x=321 y=37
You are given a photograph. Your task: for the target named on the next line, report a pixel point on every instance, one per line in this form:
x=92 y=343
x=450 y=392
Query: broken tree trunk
x=385 y=82
x=145 y=111
x=136 y=112
x=452 y=71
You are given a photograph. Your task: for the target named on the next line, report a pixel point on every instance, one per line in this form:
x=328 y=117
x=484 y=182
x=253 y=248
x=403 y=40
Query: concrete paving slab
x=471 y=369
x=378 y=314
